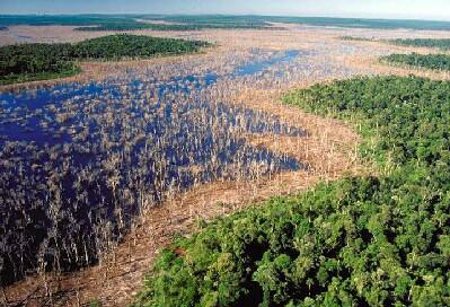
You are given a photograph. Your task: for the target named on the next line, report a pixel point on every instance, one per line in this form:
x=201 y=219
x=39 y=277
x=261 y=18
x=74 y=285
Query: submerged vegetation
x=27 y=62
x=360 y=241
x=81 y=162
x=427 y=61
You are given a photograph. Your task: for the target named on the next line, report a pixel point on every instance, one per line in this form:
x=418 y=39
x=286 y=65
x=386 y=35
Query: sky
x=409 y=9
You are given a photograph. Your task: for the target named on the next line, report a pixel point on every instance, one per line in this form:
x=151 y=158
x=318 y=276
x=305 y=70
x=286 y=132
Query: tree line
x=443 y=44
x=371 y=240
x=188 y=22
x=133 y=26
x=428 y=61
x=136 y=22
x=27 y=62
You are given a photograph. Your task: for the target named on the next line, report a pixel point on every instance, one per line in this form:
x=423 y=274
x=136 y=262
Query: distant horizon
x=220 y=14
x=430 y=10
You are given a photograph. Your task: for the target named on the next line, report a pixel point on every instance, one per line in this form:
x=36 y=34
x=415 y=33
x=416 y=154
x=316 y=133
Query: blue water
x=72 y=139
x=260 y=66
x=24 y=103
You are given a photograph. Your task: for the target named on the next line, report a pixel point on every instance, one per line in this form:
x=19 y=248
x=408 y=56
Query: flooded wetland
x=80 y=161
x=105 y=167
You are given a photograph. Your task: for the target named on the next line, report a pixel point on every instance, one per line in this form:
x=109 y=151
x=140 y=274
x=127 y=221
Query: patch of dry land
x=329 y=147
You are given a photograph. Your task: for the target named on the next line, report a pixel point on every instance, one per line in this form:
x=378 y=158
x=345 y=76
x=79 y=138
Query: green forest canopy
x=360 y=241
x=428 y=61
x=443 y=44
x=27 y=62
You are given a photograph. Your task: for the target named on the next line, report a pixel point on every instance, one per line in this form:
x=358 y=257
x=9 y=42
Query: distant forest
x=427 y=61
x=443 y=44
x=27 y=62
x=192 y=22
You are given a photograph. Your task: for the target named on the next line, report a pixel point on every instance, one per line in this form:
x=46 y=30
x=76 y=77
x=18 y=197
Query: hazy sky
x=425 y=9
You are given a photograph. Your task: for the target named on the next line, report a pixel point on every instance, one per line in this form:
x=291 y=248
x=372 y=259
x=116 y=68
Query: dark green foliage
x=131 y=46
x=378 y=241
x=46 y=75
x=409 y=116
x=33 y=58
x=28 y=62
x=429 y=61
x=443 y=44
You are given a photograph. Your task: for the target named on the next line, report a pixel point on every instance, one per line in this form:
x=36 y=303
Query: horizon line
x=225 y=14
